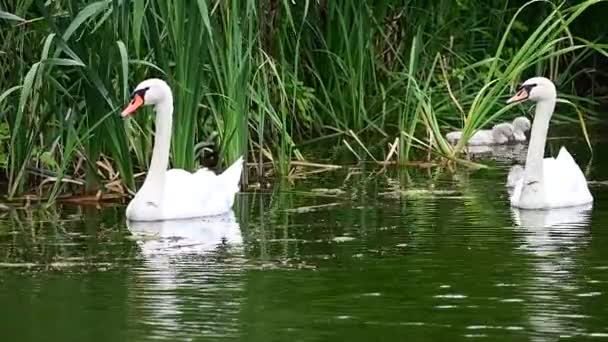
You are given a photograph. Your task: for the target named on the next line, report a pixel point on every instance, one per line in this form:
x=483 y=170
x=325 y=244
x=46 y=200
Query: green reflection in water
x=349 y=255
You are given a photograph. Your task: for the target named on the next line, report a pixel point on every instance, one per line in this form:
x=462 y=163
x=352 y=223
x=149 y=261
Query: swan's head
x=148 y=93
x=521 y=124
x=535 y=89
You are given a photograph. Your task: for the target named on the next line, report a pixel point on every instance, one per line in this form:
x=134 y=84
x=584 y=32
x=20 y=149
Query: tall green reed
x=72 y=87
x=268 y=77
x=180 y=55
x=549 y=41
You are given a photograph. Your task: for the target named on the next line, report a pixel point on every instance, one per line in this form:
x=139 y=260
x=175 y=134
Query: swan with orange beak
x=176 y=193
x=137 y=100
x=550 y=182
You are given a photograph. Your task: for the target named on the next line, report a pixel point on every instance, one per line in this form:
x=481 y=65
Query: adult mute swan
x=499 y=134
x=550 y=182
x=176 y=194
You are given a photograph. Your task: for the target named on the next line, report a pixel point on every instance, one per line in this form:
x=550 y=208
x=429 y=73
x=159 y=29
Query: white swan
x=550 y=182
x=499 y=134
x=176 y=194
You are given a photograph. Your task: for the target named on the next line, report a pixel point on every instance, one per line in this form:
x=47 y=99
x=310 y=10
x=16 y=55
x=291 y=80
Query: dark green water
x=444 y=258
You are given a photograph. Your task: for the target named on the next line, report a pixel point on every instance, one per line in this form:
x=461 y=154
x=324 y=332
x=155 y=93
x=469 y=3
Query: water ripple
x=438 y=257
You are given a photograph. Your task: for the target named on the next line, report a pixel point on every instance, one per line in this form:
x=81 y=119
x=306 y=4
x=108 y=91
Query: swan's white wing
x=198 y=194
x=565 y=183
x=187 y=195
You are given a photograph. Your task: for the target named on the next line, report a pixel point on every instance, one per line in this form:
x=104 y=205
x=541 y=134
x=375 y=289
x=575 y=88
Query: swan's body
x=549 y=182
x=499 y=134
x=176 y=194
x=186 y=195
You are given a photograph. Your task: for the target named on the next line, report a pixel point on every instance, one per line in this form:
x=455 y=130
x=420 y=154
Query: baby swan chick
x=500 y=134
x=521 y=125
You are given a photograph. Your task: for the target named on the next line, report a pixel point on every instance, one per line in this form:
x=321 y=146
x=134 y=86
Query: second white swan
x=549 y=182
x=176 y=193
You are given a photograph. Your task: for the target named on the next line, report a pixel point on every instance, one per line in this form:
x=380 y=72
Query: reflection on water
x=352 y=255
x=187 y=236
x=553 y=237
x=549 y=231
x=188 y=256
x=507 y=153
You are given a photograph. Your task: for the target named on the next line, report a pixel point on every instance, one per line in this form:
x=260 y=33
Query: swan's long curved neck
x=538 y=138
x=162 y=145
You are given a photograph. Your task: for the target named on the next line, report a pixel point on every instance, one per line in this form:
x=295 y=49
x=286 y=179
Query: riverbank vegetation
x=272 y=79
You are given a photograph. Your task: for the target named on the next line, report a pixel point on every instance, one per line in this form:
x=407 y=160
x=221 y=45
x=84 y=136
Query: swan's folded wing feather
x=564 y=180
x=195 y=194
x=565 y=157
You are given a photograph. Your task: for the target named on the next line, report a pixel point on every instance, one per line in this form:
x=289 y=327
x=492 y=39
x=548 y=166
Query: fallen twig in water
x=312 y=208
x=304 y=163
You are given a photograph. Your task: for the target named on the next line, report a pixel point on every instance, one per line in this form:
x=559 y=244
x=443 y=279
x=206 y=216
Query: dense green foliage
x=264 y=78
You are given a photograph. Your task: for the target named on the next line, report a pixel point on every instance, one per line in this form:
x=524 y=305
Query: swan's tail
x=232 y=175
x=565 y=156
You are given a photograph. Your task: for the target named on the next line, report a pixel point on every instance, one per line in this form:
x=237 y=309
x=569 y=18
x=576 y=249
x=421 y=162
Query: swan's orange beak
x=521 y=95
x=137 y=102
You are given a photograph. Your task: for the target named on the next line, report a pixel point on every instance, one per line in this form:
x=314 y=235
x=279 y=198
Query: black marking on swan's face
x=141 y=92
x=526 y=87
x=522 y=93
x=138 y=99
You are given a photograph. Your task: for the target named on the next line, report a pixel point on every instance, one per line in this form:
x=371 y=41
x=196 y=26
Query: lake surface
x=343 y=256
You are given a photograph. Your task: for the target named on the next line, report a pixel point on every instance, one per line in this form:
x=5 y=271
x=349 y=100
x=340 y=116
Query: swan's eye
x=522 y=93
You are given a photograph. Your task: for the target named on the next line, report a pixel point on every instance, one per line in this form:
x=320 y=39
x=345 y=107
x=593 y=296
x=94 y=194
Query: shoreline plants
x=271 y=79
